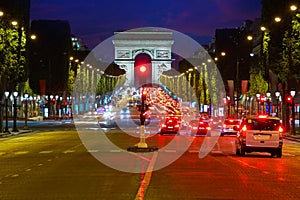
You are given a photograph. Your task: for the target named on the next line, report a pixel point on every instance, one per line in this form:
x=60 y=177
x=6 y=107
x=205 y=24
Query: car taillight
x=163 y=125
x=177 y=125
x=280 y=129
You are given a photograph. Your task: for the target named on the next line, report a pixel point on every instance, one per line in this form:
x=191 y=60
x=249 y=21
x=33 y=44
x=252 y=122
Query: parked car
x=260 y=134
x=228 y=127
x=198 y=127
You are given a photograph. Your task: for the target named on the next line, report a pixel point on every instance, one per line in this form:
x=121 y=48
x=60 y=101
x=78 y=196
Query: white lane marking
x=15 y=175
x=45 y=152
x=115 y=150
x=92 y=150
x=216 y=152
x=170 y=150
x=69 y=151
x=21 y=152
x=145 y=182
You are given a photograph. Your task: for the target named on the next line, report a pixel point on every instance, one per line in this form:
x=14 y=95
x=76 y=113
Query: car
x=170 y=125
x=228 y=126
x=198 y=127
x=260 y=134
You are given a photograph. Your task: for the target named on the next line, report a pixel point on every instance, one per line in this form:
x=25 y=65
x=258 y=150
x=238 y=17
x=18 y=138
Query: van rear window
x=263 y=124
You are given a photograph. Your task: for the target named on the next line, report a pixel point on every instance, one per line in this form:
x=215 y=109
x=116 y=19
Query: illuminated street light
x=277 y=94
x=268 y=94
x=14 y=23
x=1 y=13
x=277 y=19
x=33 y=37
x=6 y=111
x=258 y=98
x=15 y=94
x=293 y=8
x=263 y=28
x=293 y=92
x=249 y=37
x=26 y=110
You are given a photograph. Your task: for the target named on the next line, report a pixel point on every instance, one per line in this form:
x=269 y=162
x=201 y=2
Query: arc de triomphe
x=157 y=44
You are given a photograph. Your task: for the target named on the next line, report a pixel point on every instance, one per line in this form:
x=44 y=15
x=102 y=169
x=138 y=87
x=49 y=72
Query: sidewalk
x=11 y=133
x=295 y=137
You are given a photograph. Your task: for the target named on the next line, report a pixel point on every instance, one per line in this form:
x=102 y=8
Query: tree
x=12 y=55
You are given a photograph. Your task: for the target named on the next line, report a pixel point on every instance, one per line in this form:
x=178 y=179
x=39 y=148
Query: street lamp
x=293 y=92
x=26 y=110
x=15 y=94
x=268 y=94
x=277 y=94
x=6 y=111
x=257 y=98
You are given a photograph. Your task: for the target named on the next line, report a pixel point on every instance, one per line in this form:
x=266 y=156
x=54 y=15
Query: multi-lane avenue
x=55 y=164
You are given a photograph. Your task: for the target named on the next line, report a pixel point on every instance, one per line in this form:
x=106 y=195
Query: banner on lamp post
x=43 y=87
x=244 y=86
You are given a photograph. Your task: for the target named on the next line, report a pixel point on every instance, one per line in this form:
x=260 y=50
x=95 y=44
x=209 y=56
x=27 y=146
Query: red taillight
x=177 y=125
x=280 y=129
x=163 y=125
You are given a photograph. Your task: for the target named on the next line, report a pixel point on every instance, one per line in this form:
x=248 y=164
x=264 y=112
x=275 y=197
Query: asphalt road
x=56 y=164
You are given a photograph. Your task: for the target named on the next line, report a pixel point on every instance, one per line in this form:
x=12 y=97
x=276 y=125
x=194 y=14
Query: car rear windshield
x=263 y=124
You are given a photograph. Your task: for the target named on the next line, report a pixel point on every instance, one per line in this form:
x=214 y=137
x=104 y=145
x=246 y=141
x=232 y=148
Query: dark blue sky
x=95 y=20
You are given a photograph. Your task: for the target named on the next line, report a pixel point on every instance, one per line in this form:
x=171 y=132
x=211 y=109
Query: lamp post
x=277 y=94
x=26 y=110
x=293 y=92
x=6 y=111
x=268 y=94
x=228 y=104
x=15 y=94
x=258 y=98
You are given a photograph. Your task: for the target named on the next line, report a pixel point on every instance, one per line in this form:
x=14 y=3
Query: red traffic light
x=143 y=68
x=144 y=94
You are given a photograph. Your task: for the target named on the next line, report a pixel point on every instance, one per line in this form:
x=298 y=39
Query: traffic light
x=144 y=95
x=143 y=68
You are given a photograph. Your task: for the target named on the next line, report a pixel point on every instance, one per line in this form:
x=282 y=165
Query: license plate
x=170 y=126
x=261 y=137
x=201 y=128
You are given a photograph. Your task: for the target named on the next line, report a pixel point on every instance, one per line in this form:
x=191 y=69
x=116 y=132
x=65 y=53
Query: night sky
x=95 y=20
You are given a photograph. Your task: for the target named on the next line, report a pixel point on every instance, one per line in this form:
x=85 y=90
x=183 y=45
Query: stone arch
x=156 y=44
